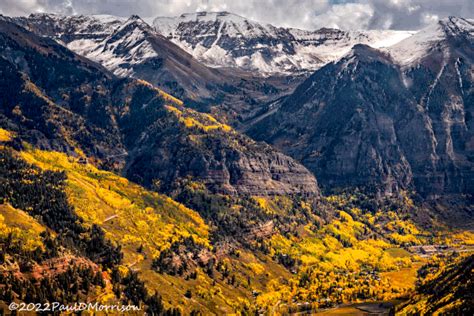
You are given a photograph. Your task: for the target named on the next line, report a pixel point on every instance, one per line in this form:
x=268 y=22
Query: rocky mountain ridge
x=223 y=39
x=217 y=39
x=132 y=48
x=398 y=125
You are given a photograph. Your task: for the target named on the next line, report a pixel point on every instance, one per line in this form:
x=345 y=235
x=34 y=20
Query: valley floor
x=354 y=262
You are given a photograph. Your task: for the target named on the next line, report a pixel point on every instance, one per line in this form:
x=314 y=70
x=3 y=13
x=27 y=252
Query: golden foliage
x=21 y=226
x=5 y=135
x=161 y=93
x=129 y=214
x=356 y=255
x=192 y=119
x=256 y=268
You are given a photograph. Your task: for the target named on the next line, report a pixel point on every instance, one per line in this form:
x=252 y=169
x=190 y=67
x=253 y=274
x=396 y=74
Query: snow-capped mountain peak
x=62 y=26
x=134 y=24
x=413 y=49
x=115 y=42
x=128 y=45
x=455 y=26
x=168 y=25
x=223 y=39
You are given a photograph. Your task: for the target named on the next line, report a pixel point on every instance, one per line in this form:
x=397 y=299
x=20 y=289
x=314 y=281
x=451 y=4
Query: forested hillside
x=444 y=287
x=114 y=234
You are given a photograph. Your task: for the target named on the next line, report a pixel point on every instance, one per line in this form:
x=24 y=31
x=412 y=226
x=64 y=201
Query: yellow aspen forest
x=355 y=256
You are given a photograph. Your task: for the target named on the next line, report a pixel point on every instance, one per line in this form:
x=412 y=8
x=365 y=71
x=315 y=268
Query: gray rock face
x=280 y=174
x=225 y=163
x=441 y=82
x=224 y=160
x=343 y=123
x=367 y=121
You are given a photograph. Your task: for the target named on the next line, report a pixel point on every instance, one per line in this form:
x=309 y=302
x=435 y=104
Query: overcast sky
x=306 y=14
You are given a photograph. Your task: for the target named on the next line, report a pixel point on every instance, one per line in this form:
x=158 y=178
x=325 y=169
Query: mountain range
x=131 y=47
x=403 y=115
x=217 y=39
x=223 y=39
x=208 y=163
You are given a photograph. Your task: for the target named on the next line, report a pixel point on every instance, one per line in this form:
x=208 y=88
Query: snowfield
x=222 y=39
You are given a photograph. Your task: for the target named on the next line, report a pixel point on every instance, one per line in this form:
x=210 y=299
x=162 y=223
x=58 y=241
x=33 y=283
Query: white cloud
x=19 y=7
x=428 y=18
x=309 y=14
x=414 y=14
x=346 y=16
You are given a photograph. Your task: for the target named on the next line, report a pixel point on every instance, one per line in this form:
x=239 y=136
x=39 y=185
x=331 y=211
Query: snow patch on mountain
x=413 y=49
x=223 y=39
x=118 y=53
x=115 y=42
x=110 y=51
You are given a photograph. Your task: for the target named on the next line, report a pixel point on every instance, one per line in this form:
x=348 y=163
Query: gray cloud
x=308 y=14
x=345 y=16
x=413 y=14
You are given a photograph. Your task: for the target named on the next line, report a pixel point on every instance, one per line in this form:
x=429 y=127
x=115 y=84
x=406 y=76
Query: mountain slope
x=444 y=289
x=367 y=121
x=223 y=39
x=119 y=122
x=438 y=72
x=360 y=145
x=130 y=47
x=54 y=119
x=169 y=258
x=39 y=253
x=434 y=37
